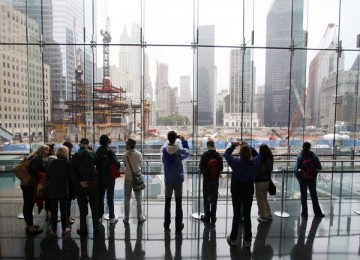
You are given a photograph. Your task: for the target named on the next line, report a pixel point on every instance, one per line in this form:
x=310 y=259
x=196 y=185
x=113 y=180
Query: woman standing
x=242 y=188
x=262 y=179
x=72 y=195
x=132 y=160
x=106 y=182
x=36 y=165
x=57 y=176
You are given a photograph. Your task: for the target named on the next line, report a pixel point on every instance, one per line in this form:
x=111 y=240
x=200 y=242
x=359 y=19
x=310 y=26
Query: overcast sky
x=172 y=22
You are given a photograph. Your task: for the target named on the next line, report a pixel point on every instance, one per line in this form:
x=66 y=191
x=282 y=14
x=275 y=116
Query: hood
x=171 y=149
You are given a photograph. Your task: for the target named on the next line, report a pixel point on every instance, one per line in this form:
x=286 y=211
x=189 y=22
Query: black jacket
x=205 y=157
x=83 y=166
x=57 y=176
x=106 y=157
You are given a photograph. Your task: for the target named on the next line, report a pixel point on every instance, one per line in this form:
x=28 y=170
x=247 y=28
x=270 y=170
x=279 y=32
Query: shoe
x=126 y=221
x=213 y=220
x=141 y=219
x=269 y=219
x=52 y=233
x=180 y=228
x=205 y=219
x=166 y=227
x=231 y=242
x=34 y=231
x=247 y=244
x=263 y=220
x=66 y=232
x=70 y=221
x=82 y=233
x=100 y=220
x=320 y=215
x=113 y=220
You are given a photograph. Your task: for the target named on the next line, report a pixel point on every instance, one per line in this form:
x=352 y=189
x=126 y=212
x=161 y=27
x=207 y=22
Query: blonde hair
x=63 y=153
x=40 y=150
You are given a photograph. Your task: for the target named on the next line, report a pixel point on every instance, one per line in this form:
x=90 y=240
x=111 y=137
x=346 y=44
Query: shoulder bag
x=138 y=178
x=21 y=171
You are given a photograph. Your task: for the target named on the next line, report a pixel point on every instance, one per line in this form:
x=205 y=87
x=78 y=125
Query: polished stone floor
x=337 y=236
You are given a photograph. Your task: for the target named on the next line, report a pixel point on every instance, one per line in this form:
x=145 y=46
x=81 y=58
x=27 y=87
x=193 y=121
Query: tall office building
x=283 y=71
x=62 y=22
x=185 y=107
x=206 y=76
x=25 y=94
x=162 y=91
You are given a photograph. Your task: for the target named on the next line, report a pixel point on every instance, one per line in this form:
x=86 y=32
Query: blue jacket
x=243 y=170
x=172 y=157
x=300 y=160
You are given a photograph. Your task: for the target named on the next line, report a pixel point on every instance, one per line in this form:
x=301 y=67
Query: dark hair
x=245 y=153
x=51 y=148
x=210 y=144
x=265 y=153
x=306 y=147
x=172 y=135
x=68 y=144
x=104 y=140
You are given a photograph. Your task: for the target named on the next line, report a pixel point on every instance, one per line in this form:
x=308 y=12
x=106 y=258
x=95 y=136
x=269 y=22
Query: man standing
x=172 y=157
x=305 y=170
x=211 y=165
x=85 y=178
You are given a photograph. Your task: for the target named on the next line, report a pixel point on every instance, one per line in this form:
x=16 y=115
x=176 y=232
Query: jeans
x=84 y=196
x=210 y=195
x=128 y=187
x=109 y=189
x=304 y=185
x=178 y=211
x=241 y=195
x=28 y=206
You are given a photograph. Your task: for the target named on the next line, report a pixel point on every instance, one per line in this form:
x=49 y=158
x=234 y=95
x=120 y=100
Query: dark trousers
x=54 y=204
x=178 y=211
x=242 y=196
x=84 y=196
x=109 y=189
x=28 y=206
x=304 y=185
x=210 y=195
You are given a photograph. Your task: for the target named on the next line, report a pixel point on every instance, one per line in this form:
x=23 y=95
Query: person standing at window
x=262 y=178
x=242 y=188
x=172 y=157
x=133 y=157
x=106 y=182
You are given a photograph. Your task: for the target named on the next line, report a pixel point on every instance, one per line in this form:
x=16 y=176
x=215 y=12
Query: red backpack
x=213 y=169
x=308 y=168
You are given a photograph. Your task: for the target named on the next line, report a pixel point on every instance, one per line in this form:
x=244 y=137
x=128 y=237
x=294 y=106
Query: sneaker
x=113 y=220
x=70 y=221
x=261 y=219
x=247 y=244
x=205 y=219
x=231 y=242
x=141 y=219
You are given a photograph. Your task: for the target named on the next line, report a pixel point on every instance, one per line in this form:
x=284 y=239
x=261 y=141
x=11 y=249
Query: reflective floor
x=337 y=236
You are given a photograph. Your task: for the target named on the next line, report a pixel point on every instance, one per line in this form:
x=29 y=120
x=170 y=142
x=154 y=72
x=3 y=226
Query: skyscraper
x=206 y=76
x=283 y=71
x=61 y=22
x=185 y=100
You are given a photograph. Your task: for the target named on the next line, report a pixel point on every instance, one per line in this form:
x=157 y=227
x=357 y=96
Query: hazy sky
x=172 y=22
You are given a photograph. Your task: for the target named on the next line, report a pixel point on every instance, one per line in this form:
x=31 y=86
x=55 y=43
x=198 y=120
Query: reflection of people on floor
x=302 y=249
x=111 y=247
x=70 y=250
x=138 y=253
x=99 y=246
x=29 y=249
x=178 y=245
x=83 y=248
x=49 y=248
x=209 y=243
x=262 y=251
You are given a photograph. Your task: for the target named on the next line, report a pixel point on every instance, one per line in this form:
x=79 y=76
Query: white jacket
x=135 y=158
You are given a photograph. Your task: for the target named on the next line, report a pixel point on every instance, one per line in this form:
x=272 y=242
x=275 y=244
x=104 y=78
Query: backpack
x=213 y=169
x=308 y=169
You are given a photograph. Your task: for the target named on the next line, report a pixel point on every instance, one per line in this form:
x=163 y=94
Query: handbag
x=138 y=178
x=21 y=171
x=114 y=171
x=271 y=188
x=42 y=190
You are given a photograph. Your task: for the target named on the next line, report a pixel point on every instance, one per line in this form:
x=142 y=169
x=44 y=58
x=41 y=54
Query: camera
x=178 y=136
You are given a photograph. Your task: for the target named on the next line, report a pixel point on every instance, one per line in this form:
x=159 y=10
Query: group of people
x=251 y=173
x=87 y=176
